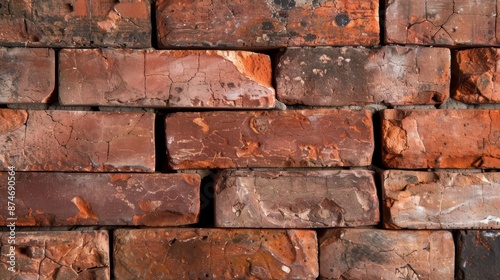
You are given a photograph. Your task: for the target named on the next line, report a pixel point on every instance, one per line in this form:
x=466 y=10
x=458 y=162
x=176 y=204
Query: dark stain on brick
x=310 y=37
x=285 y=4
x=342 y=19
x=303 y=23
x=266 y=25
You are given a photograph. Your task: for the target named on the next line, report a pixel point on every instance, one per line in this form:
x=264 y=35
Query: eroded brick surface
x=215 y=254
x=296 y=199
x=395 y=75
x=383 y=254
x=267 y=23
x=33 y=140
x=76 y=23
x=57 y=255
x=440 y=138
x=325 y=137
x=113 y=77
x=478 y=254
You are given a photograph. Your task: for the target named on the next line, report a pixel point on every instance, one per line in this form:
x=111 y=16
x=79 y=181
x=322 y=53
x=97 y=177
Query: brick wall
x=330 y=139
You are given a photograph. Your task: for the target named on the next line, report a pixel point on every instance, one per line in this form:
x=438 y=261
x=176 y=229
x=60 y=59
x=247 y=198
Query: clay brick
x=76 y=23
x=327 y=76
x=478 y=255
x=440 y=138
x=165 y=78
x=71 y=199
x=278 y=199
x=324 y=137
x=445 y=22
x=57 y=255
x=215 y=254
x=26 y=75
x=76 y=141
x=477 y=76
x=266 y=23
x=384 y=254
x=435 y=200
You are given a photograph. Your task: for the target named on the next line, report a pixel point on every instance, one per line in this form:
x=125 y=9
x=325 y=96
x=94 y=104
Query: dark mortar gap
x=154 y=33
x=207 y=206
x=161 y=164
x=111 y=253
x=377 y=137
x=381 y=21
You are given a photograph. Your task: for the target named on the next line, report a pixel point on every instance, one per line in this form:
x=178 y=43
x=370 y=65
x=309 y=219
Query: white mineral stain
x=286 y=269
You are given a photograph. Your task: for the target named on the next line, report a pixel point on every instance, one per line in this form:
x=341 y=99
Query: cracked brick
x=395 y=75
x=278 y=199
x=215 y=253
x=266 y=23
x=295 y=138
x=36 y=140
x=163 y=79
x=478 y=254
x=72 y=199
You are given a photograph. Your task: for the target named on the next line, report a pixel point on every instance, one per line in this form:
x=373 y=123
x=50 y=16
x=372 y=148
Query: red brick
x=445 y=22
x=440 y=138
x=165 y=78
x=324 y=137
x=478 y=254
x=477 y=77
x=71 y=199
x=76 y=141
x=441 y=200
x=76 y=23
x=384 y=254
x=215 y=253
x=278 y=199
x=395 y=75
x=57 y=255
x=266 y=23
x=26 y=75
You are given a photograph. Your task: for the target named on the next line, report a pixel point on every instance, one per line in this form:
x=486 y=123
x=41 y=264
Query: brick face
x=477 y=254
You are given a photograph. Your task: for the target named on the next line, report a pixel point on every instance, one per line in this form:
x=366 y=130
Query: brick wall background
x=330 y=139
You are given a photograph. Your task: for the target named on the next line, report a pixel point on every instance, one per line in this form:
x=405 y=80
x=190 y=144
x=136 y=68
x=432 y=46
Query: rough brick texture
x=323 y=137
x=440 y=138
x=477 y=76
x=278 y=199
x=434 y=200
x=267 y=23
x=103 y=199
x=76 y=141
x=353 y=76
x=382 y=254
x=152 y=78
x=26 y=75
x=76 y=23
x=445 y=22
x=57 y=255
x=215 y=254
x=478 y=255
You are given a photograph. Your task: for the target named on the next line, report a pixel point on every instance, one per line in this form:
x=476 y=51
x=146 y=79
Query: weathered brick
x=26 y=75
x=477 y=77
x=440 y=138
x=324 y=137
x=103 y=199
x=215 y=253
x=384 y=254
x=278 y=199
x=395 y=75
x=33 y=140
x=447 y=200
x=445 y=22
x=76 y=23
x=266 y=23
x=478 y=255
x=57 y=255
x=162 y=79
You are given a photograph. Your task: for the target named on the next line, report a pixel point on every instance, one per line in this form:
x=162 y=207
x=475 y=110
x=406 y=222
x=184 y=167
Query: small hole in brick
x=68 y=8
x=342 y=19
x=206 y=275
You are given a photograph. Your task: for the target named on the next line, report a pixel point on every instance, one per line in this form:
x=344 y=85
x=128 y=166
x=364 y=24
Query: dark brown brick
x=325 y=137
x=394 y=75
x=385 y=254
x=76 y=23
x=57 y=255
x=215 y=254
x=71 y=199
x=76 y=141
x=278 y=199
x=440 y=138
x=478 y=255
x=150 y=78
x=266 y=23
